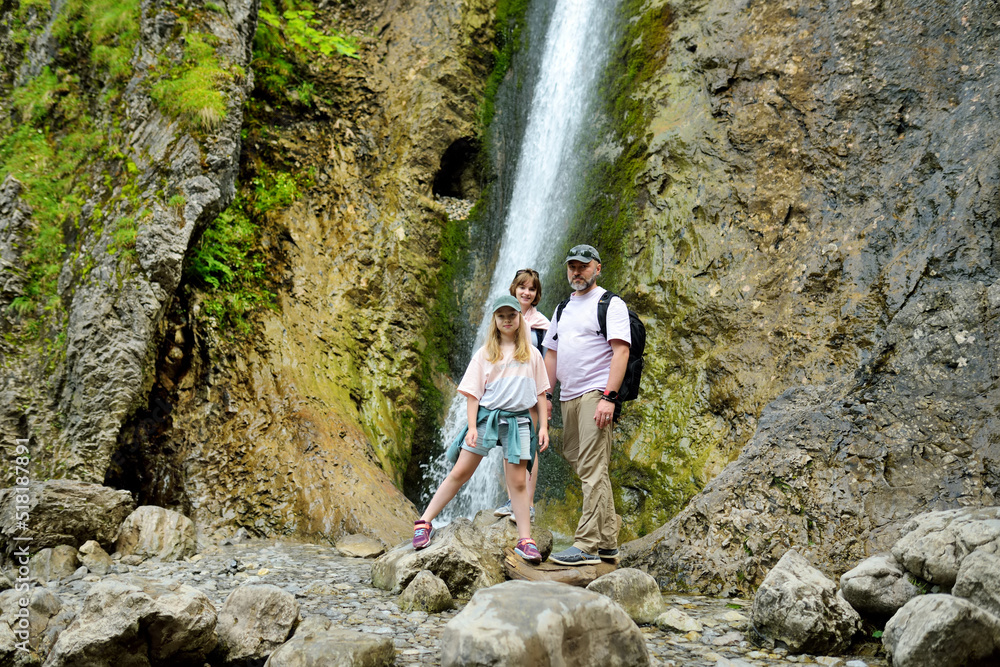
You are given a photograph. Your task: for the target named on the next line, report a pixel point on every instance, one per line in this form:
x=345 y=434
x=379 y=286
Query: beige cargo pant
x=588 y=450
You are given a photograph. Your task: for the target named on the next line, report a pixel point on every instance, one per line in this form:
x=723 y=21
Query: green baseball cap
x=583 y=253
x=506 y=300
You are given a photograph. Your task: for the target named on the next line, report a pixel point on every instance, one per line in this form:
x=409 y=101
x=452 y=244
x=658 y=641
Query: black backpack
x=637 y=332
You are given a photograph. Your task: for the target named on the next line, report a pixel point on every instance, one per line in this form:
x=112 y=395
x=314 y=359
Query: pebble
x=339 y=588
x=457 y=209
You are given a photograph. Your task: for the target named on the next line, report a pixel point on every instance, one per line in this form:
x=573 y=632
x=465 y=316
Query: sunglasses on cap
x=583 y=253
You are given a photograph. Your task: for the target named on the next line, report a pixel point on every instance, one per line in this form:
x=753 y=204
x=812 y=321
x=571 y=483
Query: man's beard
x=580 y=284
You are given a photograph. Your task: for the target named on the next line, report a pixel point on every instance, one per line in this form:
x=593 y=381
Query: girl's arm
x=543 y=424
x=472 y=407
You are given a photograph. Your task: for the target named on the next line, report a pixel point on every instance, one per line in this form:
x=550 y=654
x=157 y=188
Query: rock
x=317 y=644
x=941 y=631
x=255 y=620
x=501 y=533
x=360 y=546
x=934 y=544
x=978 y=581
x=877 y=587
x=65 y=512
x=458 y=554
x=542 y=623
x=674 y=619
x=124 y=619
x=155 y=532
x=95 y=558
x=53 y=564
x=634 y=590
x=796 y=604
x=39 y=628
x=426 y=592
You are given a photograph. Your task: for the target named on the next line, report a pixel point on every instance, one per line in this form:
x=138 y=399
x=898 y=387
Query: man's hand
x=604 y=413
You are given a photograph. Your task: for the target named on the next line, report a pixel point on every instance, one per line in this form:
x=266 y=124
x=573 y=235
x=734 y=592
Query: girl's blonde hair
x=522 y=347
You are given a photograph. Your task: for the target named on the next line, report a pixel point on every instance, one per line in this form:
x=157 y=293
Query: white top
x=583 y=358
x=506 y=385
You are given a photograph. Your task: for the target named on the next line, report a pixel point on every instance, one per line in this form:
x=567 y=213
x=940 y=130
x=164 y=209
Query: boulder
x=501 y=533
x=634 y=590
x=458 y=554
x=55 y=563
x=798 y=605
x=536 y=623
x=122 y=620
x=877 y=587
x=978 y=581
x=317 y=644
x=426 y=592
x=45 y=619
x=942 y=631
x=64 y=511
x=155 y=532
x=360 y=546
x=934 y=544
x=255 y=620
x=678 y=621
x=95 y=558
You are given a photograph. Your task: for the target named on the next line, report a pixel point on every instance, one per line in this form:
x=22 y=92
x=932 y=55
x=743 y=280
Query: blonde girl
x=527 y=289
x=503 y=385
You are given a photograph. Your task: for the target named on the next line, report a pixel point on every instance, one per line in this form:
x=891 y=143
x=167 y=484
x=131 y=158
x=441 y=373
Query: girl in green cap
x=504 y=384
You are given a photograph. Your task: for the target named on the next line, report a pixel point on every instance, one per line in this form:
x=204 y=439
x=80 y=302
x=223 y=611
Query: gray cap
x=583 y=253
x=506 y=300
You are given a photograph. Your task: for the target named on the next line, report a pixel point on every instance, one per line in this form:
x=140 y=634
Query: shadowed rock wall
x=815 y=257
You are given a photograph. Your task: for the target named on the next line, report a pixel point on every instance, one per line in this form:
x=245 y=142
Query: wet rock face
x=816 y=257
x=115 y=301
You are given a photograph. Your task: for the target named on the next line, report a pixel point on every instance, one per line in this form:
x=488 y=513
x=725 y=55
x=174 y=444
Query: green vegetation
x=228 y=264
x=191 y=89
x=510 y=19
x=288 y=35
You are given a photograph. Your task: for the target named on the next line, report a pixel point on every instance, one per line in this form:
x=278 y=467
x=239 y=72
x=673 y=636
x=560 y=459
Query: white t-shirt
x=584 y=356
x=506 y=385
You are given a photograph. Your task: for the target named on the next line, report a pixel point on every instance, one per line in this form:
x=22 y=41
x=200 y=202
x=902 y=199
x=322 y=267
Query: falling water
x=548 y=169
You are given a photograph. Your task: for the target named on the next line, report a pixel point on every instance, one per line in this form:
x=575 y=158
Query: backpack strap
x=602 y=313
x=559 y=310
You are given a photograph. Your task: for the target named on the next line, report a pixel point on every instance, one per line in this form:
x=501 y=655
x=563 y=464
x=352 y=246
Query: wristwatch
x=548 y=395
x=611 y=396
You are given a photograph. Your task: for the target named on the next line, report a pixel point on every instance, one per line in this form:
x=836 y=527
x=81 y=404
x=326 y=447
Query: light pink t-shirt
x=584 y=356
x=506 y=385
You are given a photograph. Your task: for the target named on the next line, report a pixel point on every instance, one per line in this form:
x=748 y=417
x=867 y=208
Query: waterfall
x=548 y=169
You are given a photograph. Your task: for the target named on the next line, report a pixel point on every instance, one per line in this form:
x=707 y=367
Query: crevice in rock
x=143 y=464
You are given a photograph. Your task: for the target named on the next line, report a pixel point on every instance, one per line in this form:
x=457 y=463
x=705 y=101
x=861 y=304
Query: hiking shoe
x=423 y=531
x=574 y=556
x=531 y=514
x=504 y=510
x=610 y=555
x=528 y=550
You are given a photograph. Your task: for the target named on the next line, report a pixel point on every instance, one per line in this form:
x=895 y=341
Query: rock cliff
x=814 y=253
x=304 y=426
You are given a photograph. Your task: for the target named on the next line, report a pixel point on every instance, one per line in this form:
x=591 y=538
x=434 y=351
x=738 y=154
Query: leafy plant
x=288 y=35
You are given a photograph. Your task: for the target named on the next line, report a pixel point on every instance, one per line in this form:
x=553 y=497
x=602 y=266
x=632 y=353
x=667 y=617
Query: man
x=590 y=371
